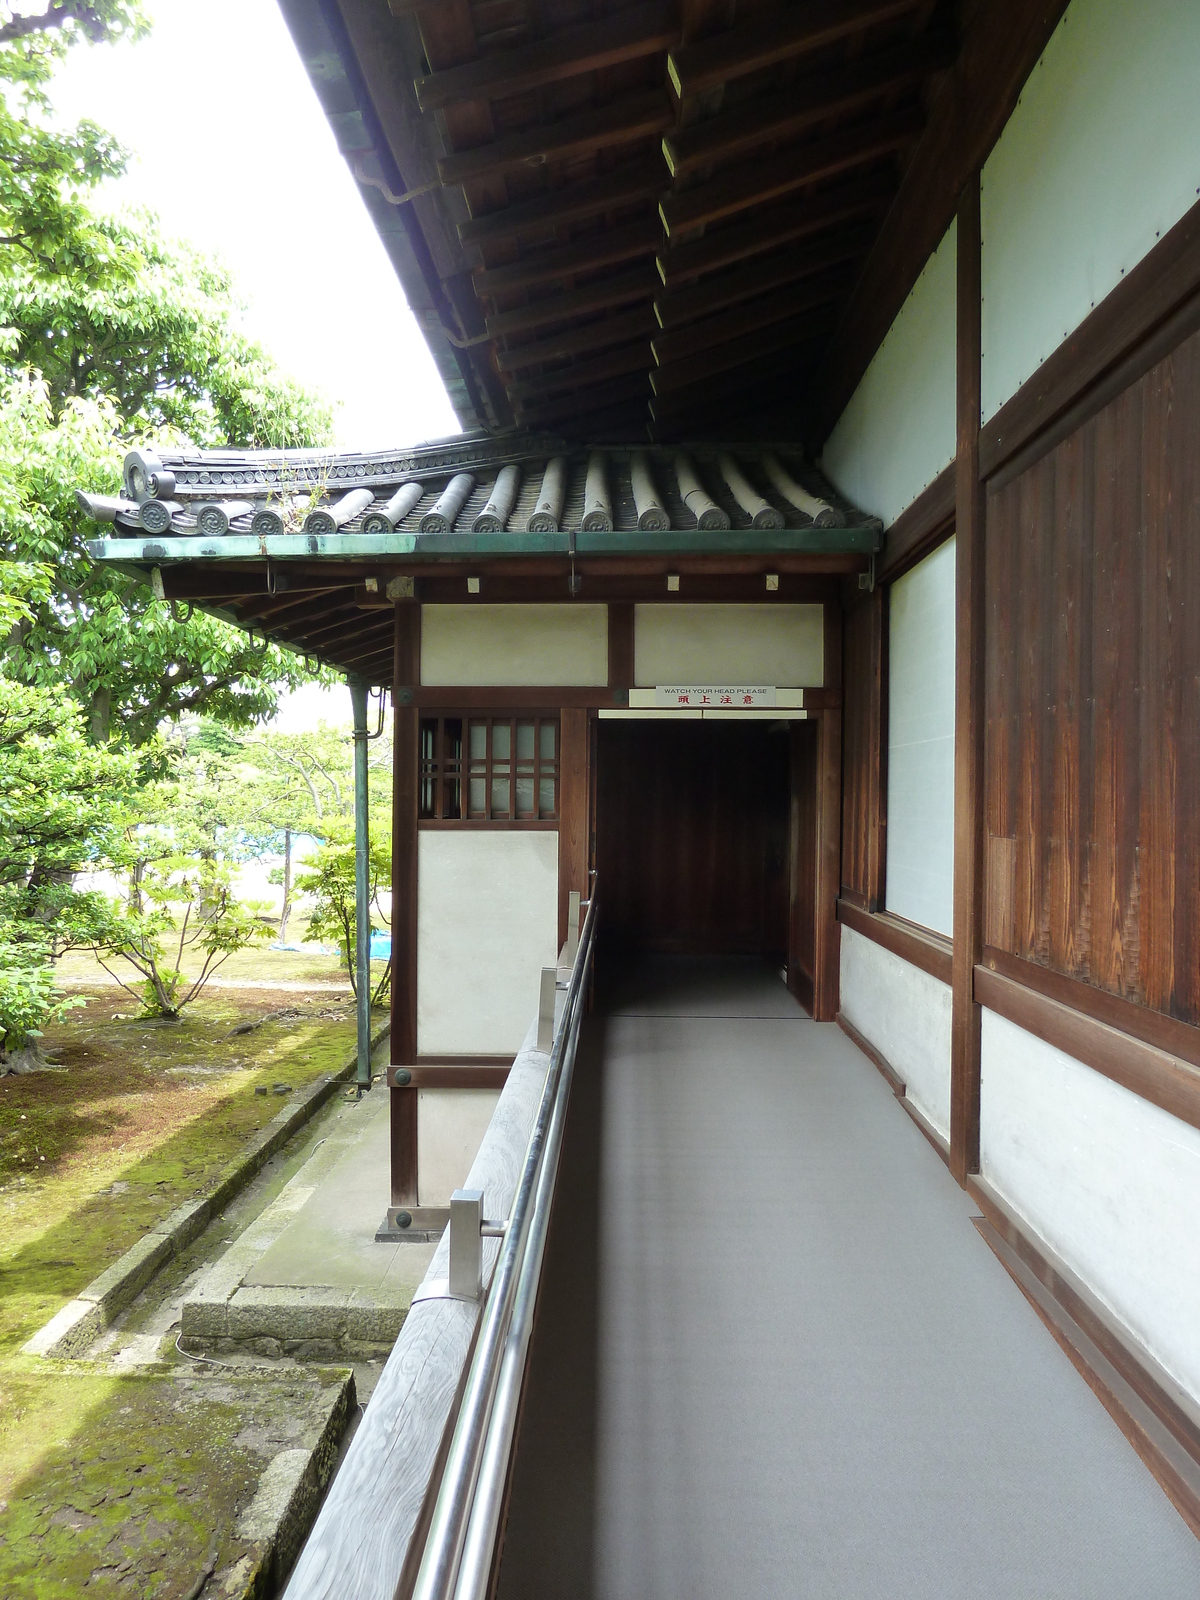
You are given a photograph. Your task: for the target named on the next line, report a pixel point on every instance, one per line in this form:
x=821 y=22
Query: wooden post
x=827 y=947
x=574 y=787
x=405 y=676
x=968 y=701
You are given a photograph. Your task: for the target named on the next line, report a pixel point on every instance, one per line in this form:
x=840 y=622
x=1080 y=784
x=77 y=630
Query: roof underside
x=632 y=219
x=314 y=549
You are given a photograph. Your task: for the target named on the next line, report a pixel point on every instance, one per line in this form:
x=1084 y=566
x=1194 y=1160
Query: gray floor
x=773 y=1356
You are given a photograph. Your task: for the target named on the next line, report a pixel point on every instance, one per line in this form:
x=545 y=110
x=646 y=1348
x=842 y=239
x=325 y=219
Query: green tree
x=109 y=332
x=60 y=811
x=328 y=876
x=46 y=173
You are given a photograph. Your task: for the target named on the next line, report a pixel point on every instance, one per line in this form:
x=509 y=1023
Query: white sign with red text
x=689 y=696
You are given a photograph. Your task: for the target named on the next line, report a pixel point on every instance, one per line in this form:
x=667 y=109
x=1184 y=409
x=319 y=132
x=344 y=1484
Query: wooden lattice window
x=485 y=769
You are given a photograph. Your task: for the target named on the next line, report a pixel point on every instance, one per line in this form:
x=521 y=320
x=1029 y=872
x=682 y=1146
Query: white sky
x=232 y=150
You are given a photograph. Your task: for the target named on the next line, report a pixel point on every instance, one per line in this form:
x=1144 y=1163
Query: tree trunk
x=286 y=909
x=100 y=715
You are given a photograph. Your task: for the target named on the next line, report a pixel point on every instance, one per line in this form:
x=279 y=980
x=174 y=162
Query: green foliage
x=161 y=342
x=45 y=173
x=109 y=332
x=186 y=912
x=130 y=660
x=60 y=810
x=328 y=876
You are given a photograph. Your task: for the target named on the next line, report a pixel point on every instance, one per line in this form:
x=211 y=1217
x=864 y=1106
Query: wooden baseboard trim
x=1159 y=1419
x=919 y=529
x=920 y=948
x=1142 y=1068
x=1177 y=1038
x=895 y=1083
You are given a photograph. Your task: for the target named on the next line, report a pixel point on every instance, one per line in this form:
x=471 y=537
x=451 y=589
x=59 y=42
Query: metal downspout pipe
x=362 y=909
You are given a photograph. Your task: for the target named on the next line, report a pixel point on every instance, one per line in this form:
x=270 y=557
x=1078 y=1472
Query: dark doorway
x=693 y=848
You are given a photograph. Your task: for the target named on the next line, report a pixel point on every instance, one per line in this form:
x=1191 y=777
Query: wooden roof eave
x=141 y=552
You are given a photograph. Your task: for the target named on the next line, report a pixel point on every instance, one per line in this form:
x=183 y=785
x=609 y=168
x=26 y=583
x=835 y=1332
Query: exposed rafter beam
x=603 y=249
x=758 y=181
x=674 y=307
x=637 y=116
x=672 y=346
x=600 y=295
x=807 y=329
x=577 y=341
x=588 y=47
x=640 y=180
x=597 y=397
x=839 y=91
x=612 y=364
x=778 y=35
x=796 y=219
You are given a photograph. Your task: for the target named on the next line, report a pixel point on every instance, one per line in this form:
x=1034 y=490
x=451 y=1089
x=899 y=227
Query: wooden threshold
x=1161 y=1422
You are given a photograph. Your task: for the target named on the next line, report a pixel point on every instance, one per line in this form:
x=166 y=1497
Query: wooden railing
x=415 y=1508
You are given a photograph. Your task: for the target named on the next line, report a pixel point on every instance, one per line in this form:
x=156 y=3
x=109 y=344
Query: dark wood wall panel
x=1093 y=694
x=802 y=847
x=863 y=754
x=692 y=836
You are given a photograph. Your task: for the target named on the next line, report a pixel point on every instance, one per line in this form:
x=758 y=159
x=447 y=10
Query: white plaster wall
x=1099 y=158
x=506 y=645
x=783 y=645
x=487 y=923
x=920 y=780
x=451 y=1124
x=898 y=430
x=1110 y=1182
x=905 y=1014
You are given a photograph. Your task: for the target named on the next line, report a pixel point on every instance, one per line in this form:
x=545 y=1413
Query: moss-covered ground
x=134 y=1118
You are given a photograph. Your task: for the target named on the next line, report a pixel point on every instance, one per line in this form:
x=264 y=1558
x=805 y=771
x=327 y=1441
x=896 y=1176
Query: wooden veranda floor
x=773 y=1356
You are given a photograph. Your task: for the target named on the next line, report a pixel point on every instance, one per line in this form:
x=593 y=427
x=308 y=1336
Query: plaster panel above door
x=729 y=644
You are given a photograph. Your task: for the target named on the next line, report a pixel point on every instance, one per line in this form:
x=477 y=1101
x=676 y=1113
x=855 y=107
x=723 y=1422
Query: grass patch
x=135 y=1118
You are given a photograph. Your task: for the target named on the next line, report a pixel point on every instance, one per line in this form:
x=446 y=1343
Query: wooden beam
x=582 y=401
x=406 y=675
x=805 y=105
x=677 y=344
x=639 y=180
x=612 y=364
x=602 y=249
x=755 y=182
x=969 y=709
x=826 y=964
x=574 y=787
x=794 y=219
x=1001 y=45
x=587 y=47
x=918 y=946
x=575 y=341
x=673 y=307
x=927 y=522
x=759 y=359
x=637 y=116
x=781 y=34
x=599 y=295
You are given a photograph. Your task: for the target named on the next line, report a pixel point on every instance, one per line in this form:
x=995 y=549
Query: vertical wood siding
x=1093 y=695
x=863 y=778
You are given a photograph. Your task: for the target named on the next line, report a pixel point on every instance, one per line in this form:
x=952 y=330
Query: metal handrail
x=459 y=1548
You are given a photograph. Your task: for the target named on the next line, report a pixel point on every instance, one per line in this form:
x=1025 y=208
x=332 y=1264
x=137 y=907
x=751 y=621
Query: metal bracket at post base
x=417 y=1224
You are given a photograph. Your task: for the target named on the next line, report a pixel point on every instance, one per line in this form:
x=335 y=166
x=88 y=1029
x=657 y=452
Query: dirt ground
x=132 y=1118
